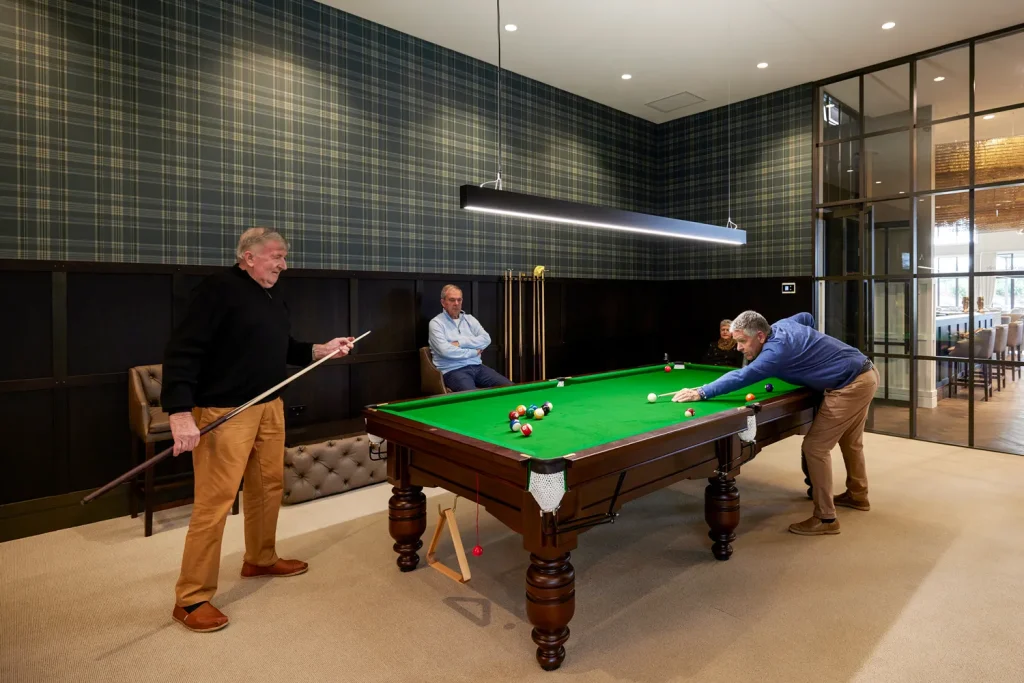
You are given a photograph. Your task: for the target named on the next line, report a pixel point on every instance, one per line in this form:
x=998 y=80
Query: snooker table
x=602 y=445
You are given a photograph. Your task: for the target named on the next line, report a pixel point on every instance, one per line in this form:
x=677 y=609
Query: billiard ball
x=527 y=430
x=690 y=412
x=532 y=409
x=539 y=413
x=521 y=410
x=750 y=397
x=651 y=398
x=514 y=425
x=668 y=368
x=769 y=388
x=547 y=407
x=514 y=414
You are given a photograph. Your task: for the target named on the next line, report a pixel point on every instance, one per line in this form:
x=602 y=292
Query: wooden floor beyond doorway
x=998 y=422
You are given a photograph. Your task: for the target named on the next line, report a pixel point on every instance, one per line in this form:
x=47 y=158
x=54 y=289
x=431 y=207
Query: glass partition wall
x=919 y=237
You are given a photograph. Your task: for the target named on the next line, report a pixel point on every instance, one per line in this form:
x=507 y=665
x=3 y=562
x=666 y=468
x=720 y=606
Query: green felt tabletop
x=587 y=411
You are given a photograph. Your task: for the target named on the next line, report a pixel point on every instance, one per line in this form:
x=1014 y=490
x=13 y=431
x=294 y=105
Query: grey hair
x=254 y=237
x=750 y=323
x=725 y=323
x=448 y=288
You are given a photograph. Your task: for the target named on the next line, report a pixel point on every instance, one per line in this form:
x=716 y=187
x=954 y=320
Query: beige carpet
x=928 y=586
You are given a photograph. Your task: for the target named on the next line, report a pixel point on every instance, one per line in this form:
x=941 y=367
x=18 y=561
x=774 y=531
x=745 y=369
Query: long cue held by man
x=135 y=471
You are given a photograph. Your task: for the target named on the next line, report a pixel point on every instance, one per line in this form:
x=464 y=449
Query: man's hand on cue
x=344 y=343
x=185 y=432
x=686 y=395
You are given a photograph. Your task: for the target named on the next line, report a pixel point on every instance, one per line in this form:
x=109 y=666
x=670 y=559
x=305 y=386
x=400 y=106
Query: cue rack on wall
x=525 y=355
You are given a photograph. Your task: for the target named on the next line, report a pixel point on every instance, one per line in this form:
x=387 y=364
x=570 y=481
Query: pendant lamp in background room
x=500 y=201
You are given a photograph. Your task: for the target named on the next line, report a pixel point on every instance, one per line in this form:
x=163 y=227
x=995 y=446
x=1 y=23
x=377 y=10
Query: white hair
x=254 y=237
x=750 y=323
x=448 y=288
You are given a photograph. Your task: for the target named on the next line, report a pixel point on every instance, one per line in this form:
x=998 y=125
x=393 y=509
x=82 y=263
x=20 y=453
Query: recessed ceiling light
x=626 y=77
x=990 y=116
x=939 y=79
x=511 y=27
x=762 y=65
x=888 y=25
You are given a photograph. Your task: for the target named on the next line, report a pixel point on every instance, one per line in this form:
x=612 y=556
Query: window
x=952 y=290
x=957 y=232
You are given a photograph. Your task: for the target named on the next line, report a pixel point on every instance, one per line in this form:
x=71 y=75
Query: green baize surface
x=587 y=411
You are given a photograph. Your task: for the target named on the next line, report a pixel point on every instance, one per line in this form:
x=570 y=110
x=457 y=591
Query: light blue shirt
x=467 y=331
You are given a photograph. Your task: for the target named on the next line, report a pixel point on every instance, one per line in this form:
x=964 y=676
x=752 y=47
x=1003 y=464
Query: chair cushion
x=159 y=422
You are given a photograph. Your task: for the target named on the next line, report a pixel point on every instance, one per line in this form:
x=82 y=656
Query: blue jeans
x=474 y=377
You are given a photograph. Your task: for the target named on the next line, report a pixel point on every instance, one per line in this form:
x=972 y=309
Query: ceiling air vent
x=675 y=102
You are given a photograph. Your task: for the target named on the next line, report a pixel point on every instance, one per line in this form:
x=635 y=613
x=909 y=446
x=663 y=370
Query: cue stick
x=135 y=471
x=520 y=327
x=508 y=318
x=543 y=333
x=533 y=326
x=671 y=393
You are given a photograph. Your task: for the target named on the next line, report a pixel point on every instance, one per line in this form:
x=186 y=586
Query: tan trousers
x=840 y=420
x=250 y=445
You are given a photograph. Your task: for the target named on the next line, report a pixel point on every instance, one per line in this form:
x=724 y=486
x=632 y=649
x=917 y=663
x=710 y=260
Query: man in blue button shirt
x=793 y=350
x=456 y=342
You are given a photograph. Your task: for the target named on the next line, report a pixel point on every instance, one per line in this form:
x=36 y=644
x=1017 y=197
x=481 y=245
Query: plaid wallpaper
x=154 y=131
x=751 y=162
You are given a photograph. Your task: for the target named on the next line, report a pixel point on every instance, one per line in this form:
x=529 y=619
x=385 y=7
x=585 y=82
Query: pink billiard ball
x=668 y=368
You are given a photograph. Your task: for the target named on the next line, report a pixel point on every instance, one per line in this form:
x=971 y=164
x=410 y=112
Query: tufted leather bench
x=334 y=466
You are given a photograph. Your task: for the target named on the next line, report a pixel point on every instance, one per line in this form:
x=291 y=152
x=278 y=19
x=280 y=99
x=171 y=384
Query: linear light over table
x=487 y=200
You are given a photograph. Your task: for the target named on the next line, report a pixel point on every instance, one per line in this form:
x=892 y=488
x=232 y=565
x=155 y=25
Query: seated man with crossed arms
x=456 y=342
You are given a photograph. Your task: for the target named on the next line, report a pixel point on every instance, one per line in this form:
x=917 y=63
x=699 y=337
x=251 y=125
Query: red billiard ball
x=690 y=412
x=526 y=430
x=750 y=397
x=513 y=415
x=668 y=368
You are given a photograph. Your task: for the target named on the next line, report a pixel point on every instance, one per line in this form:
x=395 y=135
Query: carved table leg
x=407 y=520
x=722 y=512
x=550 y=604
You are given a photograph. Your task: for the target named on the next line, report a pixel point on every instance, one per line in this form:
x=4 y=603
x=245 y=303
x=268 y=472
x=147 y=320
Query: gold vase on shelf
x=981 y=304
x=966 y=304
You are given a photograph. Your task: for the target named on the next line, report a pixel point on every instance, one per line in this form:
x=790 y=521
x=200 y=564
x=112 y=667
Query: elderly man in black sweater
x=233 y=344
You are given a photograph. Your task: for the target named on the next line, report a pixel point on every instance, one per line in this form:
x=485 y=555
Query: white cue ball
x=651 y=398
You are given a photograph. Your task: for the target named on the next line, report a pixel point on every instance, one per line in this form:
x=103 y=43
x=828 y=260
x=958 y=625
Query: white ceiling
x=708 y=48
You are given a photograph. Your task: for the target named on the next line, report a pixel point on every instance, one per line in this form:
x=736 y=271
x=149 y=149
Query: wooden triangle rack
x=447 y=517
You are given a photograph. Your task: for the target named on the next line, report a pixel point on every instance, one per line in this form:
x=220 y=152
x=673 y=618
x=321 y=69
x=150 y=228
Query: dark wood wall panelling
x=74 y=329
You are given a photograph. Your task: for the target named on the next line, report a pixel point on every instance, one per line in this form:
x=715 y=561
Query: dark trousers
x=474 y=377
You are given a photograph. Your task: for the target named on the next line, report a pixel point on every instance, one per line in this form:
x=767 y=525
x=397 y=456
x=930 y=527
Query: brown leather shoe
x=279 y=568
x=847 y=500
x=204 y=619
x=815 y=527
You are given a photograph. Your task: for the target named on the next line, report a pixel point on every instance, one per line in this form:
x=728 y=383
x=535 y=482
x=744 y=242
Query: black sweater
x=234 y=343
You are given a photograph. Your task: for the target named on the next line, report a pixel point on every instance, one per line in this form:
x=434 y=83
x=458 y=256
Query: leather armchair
x=431 y=379
x=150 y=425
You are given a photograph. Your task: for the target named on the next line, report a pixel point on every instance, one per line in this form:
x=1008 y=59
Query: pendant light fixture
x=497 y=200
